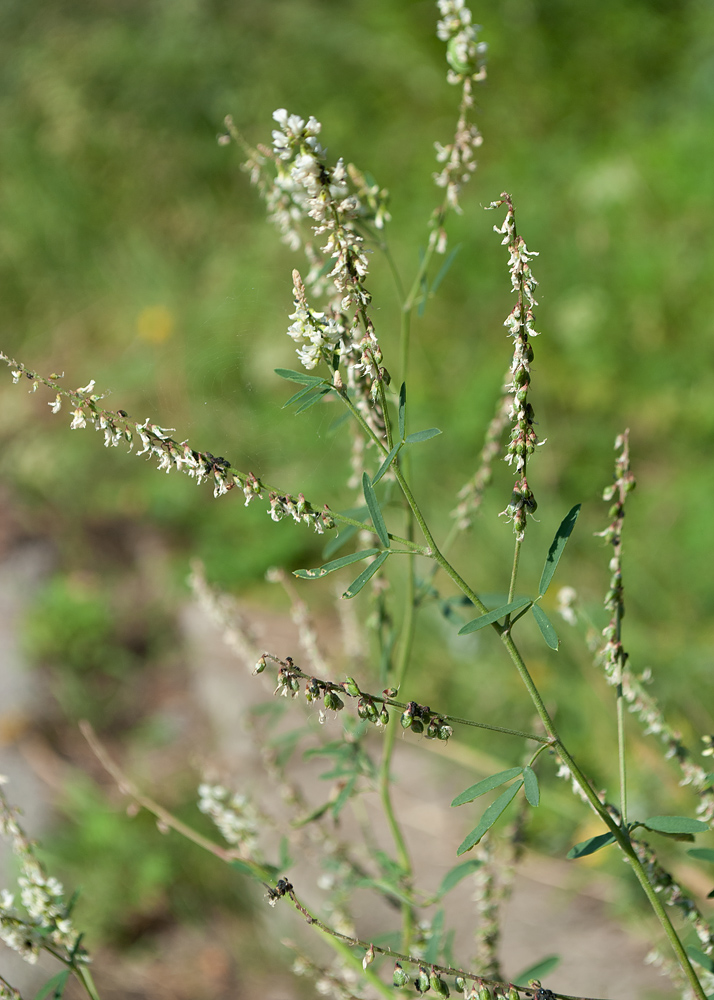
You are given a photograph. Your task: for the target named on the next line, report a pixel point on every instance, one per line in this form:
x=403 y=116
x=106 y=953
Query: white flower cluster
x=45 y=921
x=520 y=326
x=234 y=815
x=465 y=56
x=171 y=454
x=318 y=334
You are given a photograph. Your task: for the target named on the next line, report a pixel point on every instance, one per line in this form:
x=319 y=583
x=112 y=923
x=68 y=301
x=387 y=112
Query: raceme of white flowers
x=42 y=919
x=234 y=815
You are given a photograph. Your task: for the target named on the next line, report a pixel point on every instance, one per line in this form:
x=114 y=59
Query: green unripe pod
x=438 y=985
x=422 y=980
x=400 y=978
x=333 y=701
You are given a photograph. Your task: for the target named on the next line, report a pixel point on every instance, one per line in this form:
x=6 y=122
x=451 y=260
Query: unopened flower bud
x=368 y=957
x=417 y=726
x=350 y=686
x=460 y=984
x=484 y=993
x=406 y=719
x=260 y=666
x=383 y=716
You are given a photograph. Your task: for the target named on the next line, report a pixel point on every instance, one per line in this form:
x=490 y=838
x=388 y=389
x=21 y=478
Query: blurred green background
x=133 y=251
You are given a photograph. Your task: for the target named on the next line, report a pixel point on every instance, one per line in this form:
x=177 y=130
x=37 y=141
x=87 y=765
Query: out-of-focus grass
x=133 y=252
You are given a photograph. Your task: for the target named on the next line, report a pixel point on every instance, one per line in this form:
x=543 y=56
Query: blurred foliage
x=131 y=882
x=93 y=646
x=134 y=252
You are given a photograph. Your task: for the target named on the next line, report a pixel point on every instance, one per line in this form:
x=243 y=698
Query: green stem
x=433 y=548
x=514 y=570
x=85 y=977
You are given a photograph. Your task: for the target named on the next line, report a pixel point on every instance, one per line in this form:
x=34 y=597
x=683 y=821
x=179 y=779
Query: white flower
x=78 y=419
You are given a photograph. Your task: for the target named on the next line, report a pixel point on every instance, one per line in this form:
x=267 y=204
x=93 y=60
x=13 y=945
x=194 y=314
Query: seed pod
x=350 y=686
x=417 y=726
x=333 y=701
x=513 y=994
x=312 y=689
x=438 y=985
x=432 y=730
x=384 y=716
x=484 y=992
x=460 y=984
x=400 y=978
x=294 y=684
x=260 y=666
x=406 y=720
x=445 y=732
x=422 y=980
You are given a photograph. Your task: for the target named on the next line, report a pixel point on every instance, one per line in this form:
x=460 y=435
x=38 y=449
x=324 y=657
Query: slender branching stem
x=356 y=942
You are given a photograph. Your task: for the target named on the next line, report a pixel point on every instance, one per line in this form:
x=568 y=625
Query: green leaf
x=557 y=545
x=54 y=986
x=444 y=269
x=492 y=616
x=364 y=577
x=481 y=787
x=546 y=628
x=374 y=511
x=311 y=816
x=302 y=377
x=387 y=888
x=456 y=874
x=299 y=395
x=341 y=800
x=431 y=954
x=489 y=817
x=700 y=958
x=263 y=873
x=402 y=410
x=319 y=393
x=340 y=538
x=430 y=432
x=702 y=853
x=387 y=462
x=530 y=786
x=675 y=825
x=537 y=971
x=330 y=567
x=589 y=846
